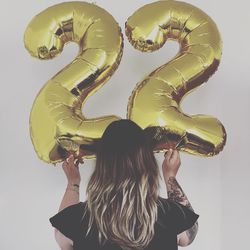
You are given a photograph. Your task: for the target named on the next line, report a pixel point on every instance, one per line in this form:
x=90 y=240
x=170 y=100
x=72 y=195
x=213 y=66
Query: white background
x=218 y=187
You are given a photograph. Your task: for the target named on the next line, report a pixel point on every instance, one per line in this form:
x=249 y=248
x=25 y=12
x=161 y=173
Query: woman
x=123 y=209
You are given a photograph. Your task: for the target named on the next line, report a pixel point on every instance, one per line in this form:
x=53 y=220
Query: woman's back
x=173 y=218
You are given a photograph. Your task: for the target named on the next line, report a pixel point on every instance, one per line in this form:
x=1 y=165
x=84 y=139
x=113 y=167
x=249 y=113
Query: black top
x=176 y=219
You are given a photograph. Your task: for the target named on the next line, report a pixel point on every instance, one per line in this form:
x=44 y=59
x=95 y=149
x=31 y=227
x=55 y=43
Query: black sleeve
x=68 y=220
x=179 y=216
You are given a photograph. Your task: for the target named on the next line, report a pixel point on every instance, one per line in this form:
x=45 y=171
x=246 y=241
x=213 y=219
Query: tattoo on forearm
x=191 y=232
x=176 y=193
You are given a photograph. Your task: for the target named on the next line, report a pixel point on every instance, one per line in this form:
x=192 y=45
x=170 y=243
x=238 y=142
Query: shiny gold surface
x=57 y=123
x=156 y=100
x=56 y=119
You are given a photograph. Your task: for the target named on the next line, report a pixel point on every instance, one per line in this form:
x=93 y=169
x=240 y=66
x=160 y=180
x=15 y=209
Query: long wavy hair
x=123 y=191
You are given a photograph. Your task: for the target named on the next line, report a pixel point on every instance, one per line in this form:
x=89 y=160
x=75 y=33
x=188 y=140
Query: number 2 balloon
x=155 y=102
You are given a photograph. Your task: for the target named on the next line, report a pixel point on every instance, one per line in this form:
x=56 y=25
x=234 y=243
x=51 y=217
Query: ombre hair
x=123 y=191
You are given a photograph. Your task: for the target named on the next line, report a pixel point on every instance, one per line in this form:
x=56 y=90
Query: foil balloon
x=56 y=120
x=155 y=102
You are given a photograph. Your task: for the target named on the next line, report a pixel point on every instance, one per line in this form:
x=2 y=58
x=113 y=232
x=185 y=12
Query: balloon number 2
x=56 y=119
x=156 y=100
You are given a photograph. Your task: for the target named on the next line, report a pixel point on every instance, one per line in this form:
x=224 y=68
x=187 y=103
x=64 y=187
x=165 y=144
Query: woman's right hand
x=171 y=163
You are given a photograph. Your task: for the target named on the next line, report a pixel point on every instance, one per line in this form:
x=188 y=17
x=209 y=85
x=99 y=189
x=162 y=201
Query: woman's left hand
x=71 y=169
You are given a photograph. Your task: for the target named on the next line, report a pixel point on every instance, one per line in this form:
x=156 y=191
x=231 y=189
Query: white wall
x=218 y=187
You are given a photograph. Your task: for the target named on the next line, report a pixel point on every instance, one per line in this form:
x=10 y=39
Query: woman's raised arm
x=170 y=168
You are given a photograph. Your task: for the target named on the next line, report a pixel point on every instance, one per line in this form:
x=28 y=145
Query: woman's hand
x=71 y=169
x=171 y=163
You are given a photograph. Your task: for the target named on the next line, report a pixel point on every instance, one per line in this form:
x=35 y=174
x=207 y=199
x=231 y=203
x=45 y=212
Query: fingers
x=172 y=154
x=77 y=161
x=72 y=161
x=69 y=161
x=175 y=155
x=168 y=153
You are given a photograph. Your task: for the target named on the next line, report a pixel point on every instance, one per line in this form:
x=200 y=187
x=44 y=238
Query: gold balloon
x=56 y=119
x=155 y=102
